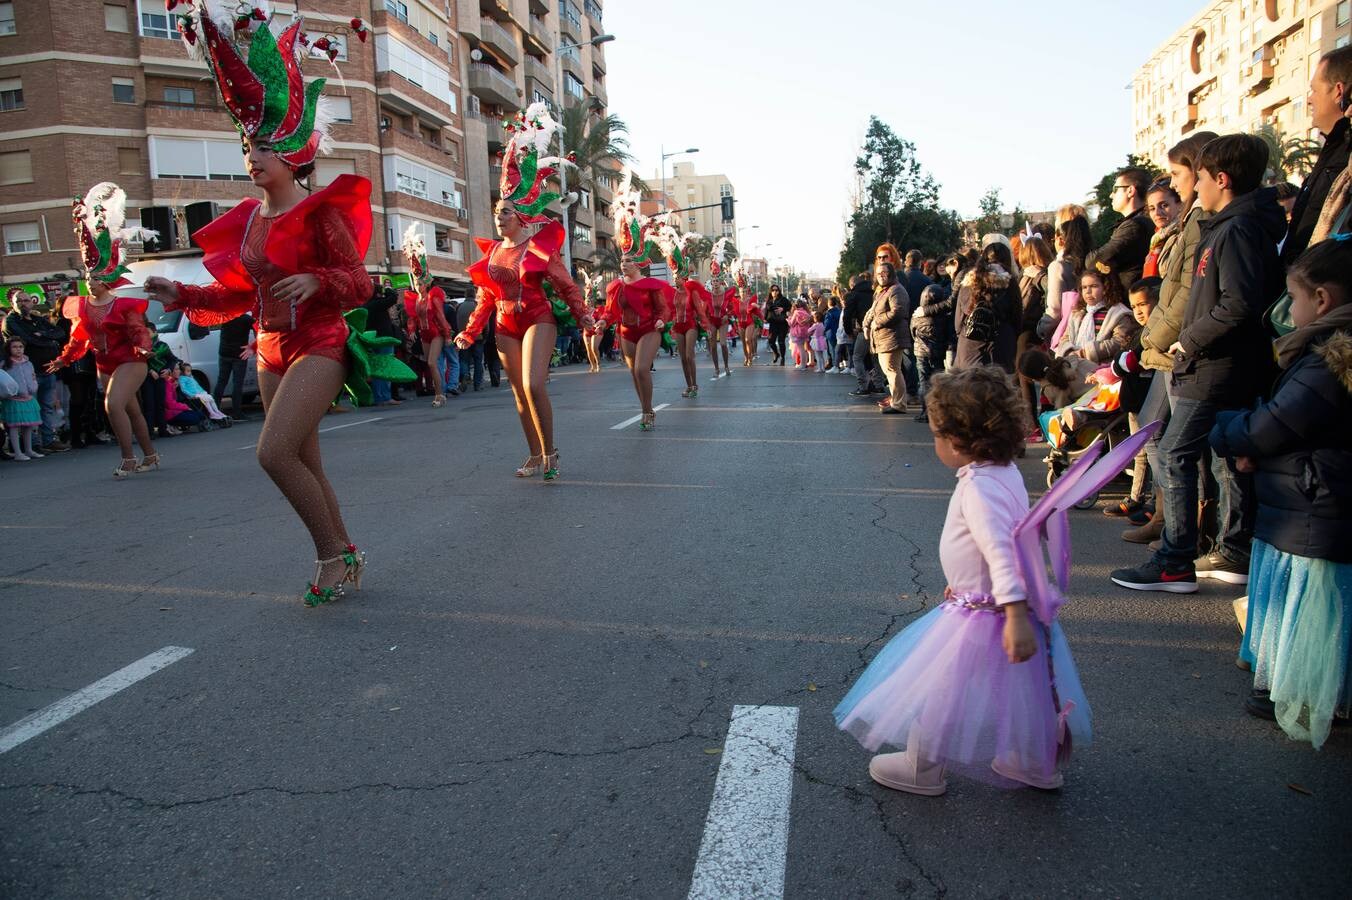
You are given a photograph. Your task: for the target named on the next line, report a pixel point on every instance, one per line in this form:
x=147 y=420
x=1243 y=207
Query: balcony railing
x=497 y=37
x=486 y=80
x=540 y=72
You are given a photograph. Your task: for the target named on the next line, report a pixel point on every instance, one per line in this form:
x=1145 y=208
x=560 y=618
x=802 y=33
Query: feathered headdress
x=739 y=273
x=720 y=258
x=525 y=172
x=633 y=230
x=415 y=251
x=100 y=220
x=267 y=95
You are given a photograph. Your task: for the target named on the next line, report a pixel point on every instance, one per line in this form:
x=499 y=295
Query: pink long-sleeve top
x=977 y=546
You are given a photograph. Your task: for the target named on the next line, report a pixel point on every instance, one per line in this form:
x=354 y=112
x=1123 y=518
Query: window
x=432 y=36
x=584 y=198
x=453 y=198
x=124 y=90
x=725 y=190
x=407 y=184
x=1316 y=29
x=196 y=159
x=129 y=161
x=341 y=107
x=393 y=55
x=155 y=24
x=1340 y=15
x=11 y=94
x=570 y=53
x=328 y=168
x=22 y=237
x=573 y=86
x=397 y=9
x=180 y=96
x=16 y=167
x=422 y=181
x=7 y=18
x=539 y=96
x=570 y=12
x=1341 y=42
x=115 y=18
x=593 y=9
x=457 y=250
x=581 y=233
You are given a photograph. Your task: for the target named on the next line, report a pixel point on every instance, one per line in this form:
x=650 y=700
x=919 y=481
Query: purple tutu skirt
x=945 y=682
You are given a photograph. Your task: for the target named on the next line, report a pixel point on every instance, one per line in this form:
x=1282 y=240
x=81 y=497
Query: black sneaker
x=1259 y=705
x=1220 y=567
x=1154 y=577
x=860 y=392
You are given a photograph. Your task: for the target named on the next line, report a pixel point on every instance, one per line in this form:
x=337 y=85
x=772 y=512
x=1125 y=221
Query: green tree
x=697 y=251
x=989 y=220
x=1102 y=197
x=1288 y=156
x=897 y=201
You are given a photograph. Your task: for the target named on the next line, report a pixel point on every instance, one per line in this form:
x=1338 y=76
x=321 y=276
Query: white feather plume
x=414 y=245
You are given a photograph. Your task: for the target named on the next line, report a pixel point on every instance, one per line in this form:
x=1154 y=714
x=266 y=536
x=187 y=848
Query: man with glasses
x=1125 y=252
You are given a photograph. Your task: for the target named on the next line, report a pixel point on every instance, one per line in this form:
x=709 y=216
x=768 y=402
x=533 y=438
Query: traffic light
x=726 y=203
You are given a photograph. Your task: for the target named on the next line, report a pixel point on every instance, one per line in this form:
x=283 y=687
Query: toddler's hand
x=1018 y=640
x=1246 y=464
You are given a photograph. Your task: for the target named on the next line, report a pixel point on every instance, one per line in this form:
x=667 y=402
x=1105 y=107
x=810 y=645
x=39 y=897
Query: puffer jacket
x=1301 y=440
x=1102 y=344
x=1161 y=330
x=886 y=321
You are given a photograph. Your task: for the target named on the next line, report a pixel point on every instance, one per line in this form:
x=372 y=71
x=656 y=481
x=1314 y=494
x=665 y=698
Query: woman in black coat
x=987 y=312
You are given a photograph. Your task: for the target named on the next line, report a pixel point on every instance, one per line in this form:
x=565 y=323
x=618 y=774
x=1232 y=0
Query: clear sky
x=1033 y=98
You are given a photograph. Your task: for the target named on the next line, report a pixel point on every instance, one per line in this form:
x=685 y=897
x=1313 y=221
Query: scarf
x=1339 y=196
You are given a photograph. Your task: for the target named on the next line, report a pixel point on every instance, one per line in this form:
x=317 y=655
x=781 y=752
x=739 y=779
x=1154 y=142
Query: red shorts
x=279 y=350
x=634 y=333
x=514 y=325
x=436 y=331
x=683 y=327
x=107 y=363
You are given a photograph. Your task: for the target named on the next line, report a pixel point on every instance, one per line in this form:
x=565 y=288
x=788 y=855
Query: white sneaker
x=33 y=454
x=20 y=457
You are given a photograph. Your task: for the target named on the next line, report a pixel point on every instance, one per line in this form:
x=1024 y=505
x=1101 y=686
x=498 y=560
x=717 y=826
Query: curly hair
x=980 y=411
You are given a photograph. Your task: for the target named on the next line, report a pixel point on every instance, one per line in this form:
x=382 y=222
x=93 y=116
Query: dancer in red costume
x=295 y=261
x=751 y=317
x=722 y=306
x=425 y=309
x=512 y=279
x=594 y=295
x=113 y=327
x=692 y=302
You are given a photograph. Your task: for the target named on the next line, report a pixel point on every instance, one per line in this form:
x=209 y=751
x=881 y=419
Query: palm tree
x=606 y=260
x=597 y=146
x=1288 y=156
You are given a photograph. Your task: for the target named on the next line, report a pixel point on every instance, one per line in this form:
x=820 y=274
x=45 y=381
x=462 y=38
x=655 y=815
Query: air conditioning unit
x=443 y=243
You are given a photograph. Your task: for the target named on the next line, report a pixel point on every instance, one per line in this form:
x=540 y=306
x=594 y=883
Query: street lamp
x=563 y=166
x=666 y=156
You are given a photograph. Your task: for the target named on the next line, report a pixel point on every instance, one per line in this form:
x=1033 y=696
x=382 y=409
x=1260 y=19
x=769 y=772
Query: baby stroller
x=1097 y=417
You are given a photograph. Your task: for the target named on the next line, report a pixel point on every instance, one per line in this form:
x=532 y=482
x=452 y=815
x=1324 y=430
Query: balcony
x=492 y=86
x=416 y=147
x=500 y=40
x=1191 y=121
x=593 y=11
x=540 y=72
x=494 y=180
x=599 y=92
x=598 y=62
x=1256 y=76
x=570 y=23
x=572 y=63
x=398 y=93
x=537 y=33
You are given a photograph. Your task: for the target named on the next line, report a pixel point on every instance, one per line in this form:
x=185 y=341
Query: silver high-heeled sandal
x=127 y=469
x=530 y=467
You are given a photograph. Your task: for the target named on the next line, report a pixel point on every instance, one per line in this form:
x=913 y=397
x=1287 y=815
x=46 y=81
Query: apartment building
x=517 y=52
x=1238 y=65
x=686 y=189
x=95 y=90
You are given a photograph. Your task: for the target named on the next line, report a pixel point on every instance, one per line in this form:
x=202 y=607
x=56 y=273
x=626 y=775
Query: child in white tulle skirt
x=978 y=684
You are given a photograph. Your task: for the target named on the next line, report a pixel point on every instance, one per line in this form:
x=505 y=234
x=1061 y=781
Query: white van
x=193 y=344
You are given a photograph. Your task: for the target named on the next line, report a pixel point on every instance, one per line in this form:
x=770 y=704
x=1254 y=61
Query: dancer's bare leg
x=716 y=341
x=509 y=352
x=293 y=406
x=688 y=357
x=122 y=404
x=536 y=351
x=432 y=353
x=644 y=353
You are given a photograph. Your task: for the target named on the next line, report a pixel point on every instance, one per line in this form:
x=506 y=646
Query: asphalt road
x=532 y=694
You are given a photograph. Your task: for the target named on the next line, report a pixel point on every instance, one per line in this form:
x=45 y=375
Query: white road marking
x=746 y=837
x=632 y=419
x=330 y=428
x=31 y=726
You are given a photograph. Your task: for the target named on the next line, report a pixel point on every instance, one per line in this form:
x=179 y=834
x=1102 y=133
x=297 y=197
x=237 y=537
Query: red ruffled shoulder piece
x=653 y=284
x=694 y=287
x=130 y=309
x=411 y=305
x=545 y=243
x=436 y=295
x=72 y=308
x=291 y=240
x=220 y=240
x=478 y=271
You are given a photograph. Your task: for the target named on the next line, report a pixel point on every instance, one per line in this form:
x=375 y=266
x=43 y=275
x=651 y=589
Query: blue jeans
x=230 y=370
x=1180 y=450
x=472 y=360
x=49 y=390
x=450 y=366
x=380 y=388
x=925 y=368
x=1156 y=406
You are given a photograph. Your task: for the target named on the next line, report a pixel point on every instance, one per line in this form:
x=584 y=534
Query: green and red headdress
x=525 y=170
x=415 y=251
x=100 y=219
x=267 y=95
x=634 y=231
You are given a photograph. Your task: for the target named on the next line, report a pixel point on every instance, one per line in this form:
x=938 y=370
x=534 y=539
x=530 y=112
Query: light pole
x=563 y=153
x=666 y=156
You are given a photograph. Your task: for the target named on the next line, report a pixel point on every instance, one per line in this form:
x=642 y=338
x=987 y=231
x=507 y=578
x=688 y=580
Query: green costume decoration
x=365 y=360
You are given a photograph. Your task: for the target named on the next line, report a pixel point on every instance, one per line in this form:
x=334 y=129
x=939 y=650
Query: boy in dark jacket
x=932 y=331
x=1222 y=360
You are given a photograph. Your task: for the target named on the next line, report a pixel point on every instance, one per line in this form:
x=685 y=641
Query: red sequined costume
x=324 y=235
x=511 y=282
x=750 y=312
x=427 y=317
x=637 y=307
x=722 y=308
x=692 y=304
x=116 y=332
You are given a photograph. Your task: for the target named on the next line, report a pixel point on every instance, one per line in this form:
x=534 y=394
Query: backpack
x=981 y=324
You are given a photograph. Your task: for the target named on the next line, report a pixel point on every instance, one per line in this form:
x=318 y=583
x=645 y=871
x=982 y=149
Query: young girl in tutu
x=978 y=683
